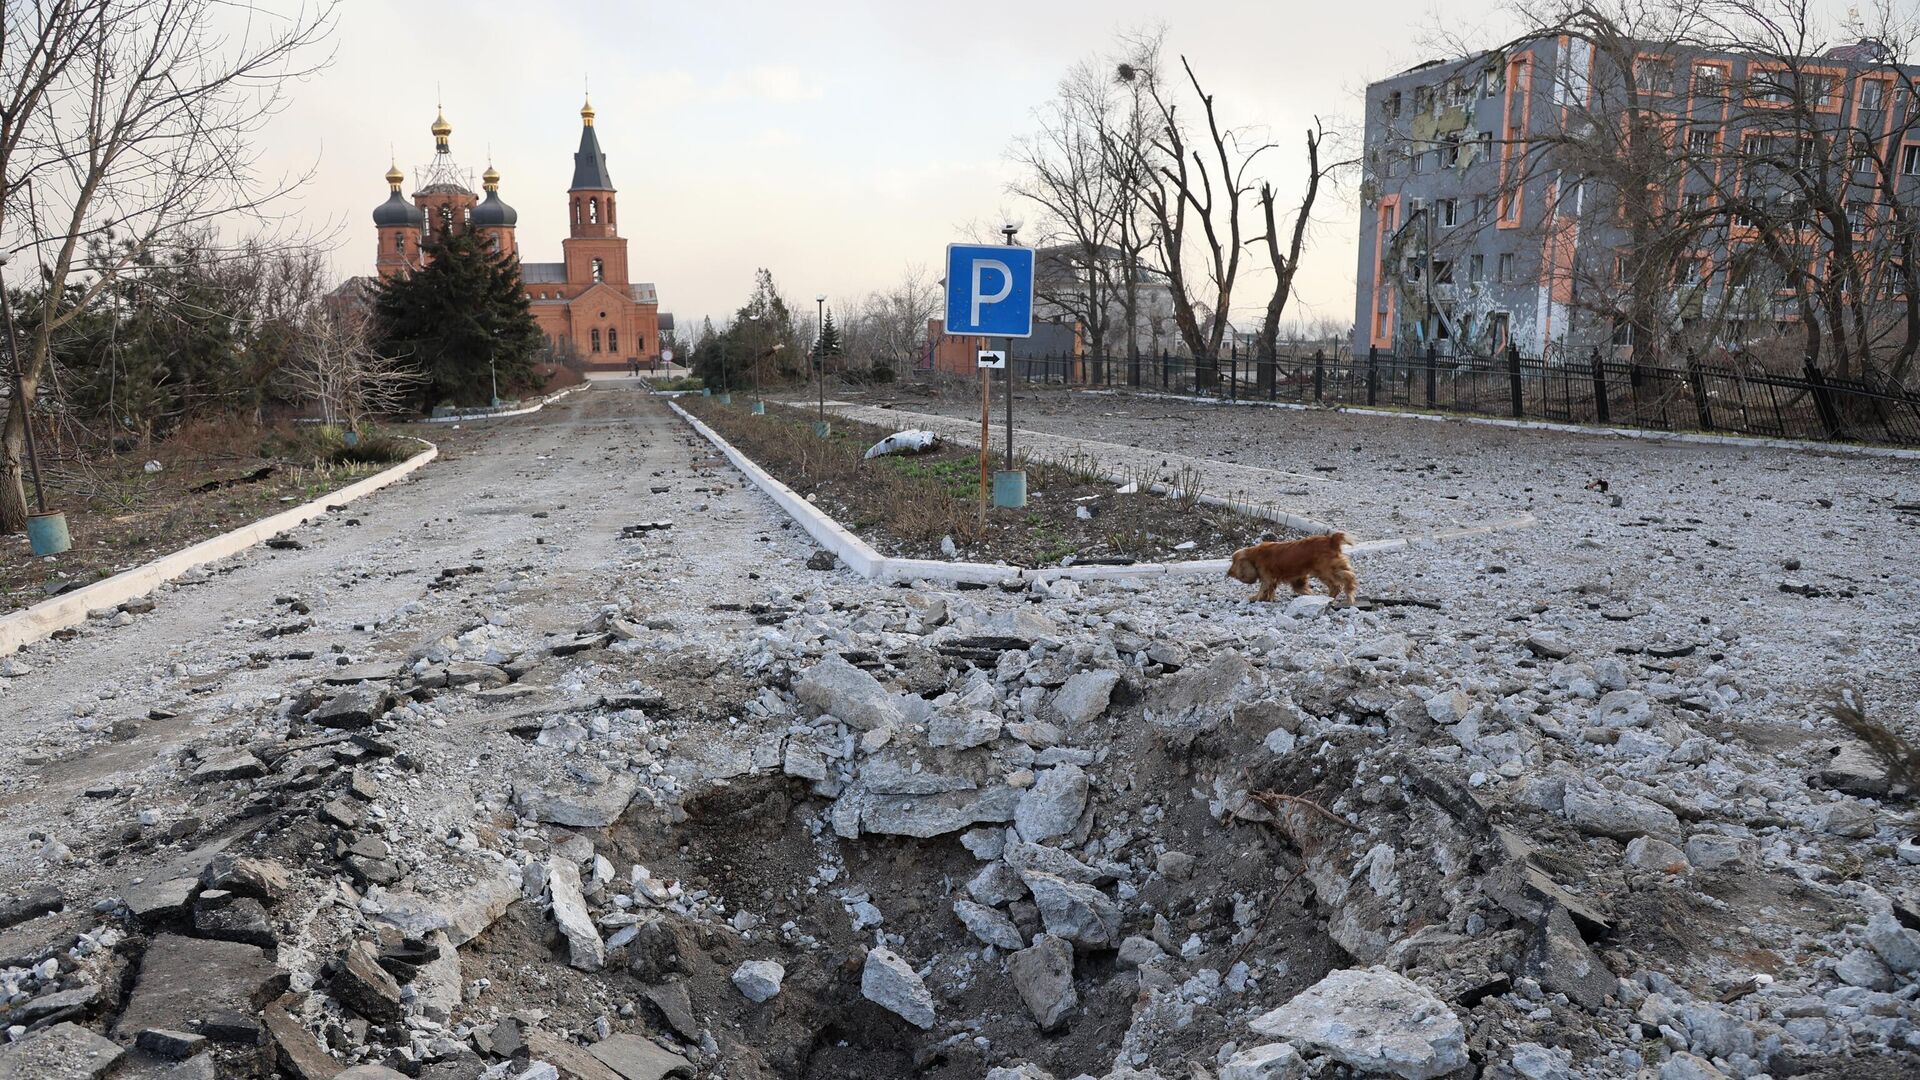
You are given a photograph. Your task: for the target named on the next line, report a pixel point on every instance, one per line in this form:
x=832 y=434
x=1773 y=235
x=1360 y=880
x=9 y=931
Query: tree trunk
x=13 y=464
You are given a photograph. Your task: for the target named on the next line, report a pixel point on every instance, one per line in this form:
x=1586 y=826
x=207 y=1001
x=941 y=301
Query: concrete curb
x=870 y=564
x=1544 y=425
x=35 y=623
x=489 y=415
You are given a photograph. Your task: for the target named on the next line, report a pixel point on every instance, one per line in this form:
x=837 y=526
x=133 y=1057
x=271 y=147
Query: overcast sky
x=834 y=143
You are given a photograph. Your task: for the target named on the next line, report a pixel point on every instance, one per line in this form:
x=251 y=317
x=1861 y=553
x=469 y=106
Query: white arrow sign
x=992 y=358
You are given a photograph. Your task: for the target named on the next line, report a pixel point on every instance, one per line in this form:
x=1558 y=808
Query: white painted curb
x=33 y=624
x=862 y=559
x=1541 y=425
x=459 y=418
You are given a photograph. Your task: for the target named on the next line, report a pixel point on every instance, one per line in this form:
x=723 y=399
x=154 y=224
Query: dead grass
x=1900 y=757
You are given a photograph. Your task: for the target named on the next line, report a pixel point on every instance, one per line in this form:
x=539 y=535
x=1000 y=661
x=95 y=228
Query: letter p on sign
x=989 y=290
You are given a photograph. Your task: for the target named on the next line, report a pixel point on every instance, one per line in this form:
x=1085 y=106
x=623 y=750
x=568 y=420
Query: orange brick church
x=587 y=300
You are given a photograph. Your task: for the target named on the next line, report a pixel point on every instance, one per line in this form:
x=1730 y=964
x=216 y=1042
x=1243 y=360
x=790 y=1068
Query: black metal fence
x=1695 y=397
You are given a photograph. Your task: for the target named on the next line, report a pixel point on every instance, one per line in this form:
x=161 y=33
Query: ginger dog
x=1294 y=562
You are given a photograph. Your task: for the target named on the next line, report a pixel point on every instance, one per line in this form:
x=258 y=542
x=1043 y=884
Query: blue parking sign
x=989 y=290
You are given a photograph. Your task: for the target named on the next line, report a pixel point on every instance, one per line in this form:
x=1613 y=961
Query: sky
x=834 y=143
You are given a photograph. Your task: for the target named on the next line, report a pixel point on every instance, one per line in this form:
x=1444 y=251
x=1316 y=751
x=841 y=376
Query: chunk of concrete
x=1053 y=805
x=635 y=1058
x=848 y=693
x=1043 y=974
x=1085 y=695
x=184 y=980
x=62 y=1052
x=1375 y=1021
x=585 y=950
x=890 y=982
x=573 y=803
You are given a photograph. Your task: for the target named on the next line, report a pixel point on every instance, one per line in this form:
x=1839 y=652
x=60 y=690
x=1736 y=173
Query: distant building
x=1466 y=246
x=1064 y=281
x=585 y=303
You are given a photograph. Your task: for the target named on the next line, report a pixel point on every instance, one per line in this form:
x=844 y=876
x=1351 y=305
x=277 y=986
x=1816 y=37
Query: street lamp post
x=1010 y=484
x=820 y=427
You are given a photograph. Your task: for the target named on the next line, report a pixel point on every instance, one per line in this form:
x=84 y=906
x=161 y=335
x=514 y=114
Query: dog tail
x=1338 y=539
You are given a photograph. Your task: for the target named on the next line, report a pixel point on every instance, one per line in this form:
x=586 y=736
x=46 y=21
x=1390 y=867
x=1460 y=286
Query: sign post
x=990 y=294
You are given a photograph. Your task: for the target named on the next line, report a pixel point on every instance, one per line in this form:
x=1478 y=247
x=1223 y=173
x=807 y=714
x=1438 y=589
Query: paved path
x=537 y=502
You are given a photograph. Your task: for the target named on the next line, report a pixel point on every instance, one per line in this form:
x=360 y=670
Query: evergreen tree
x=464 y=306
x=828 y=344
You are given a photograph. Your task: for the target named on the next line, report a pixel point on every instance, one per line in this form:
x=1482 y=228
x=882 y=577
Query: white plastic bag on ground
x=905 y=442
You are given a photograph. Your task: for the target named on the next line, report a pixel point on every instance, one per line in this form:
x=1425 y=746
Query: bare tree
x=336 y=368
x=1286 y=263
x=1196 y=196
x=140 y=128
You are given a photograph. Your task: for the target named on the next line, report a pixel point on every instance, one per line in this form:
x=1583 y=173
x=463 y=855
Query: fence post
x=1600 y=409
x=1319 y=374
x=1698 y=383
x=1822 y=403
x=1430 y=373
x=1513 y=377
x=1373 y=373
x=1233 y=376
x=1163 y=369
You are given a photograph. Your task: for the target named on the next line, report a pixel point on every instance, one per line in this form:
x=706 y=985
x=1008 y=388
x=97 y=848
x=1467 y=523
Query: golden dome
x=442 y=129
x=490 y=179
x=586 y=113
x=394 y=175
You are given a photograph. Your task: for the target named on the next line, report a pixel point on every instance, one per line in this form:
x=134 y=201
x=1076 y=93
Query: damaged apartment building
x=1492 y=213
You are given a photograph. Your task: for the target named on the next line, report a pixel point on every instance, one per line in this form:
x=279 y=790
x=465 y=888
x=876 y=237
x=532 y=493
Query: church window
x=609 y=211
x=599 y=270
x=593 y=211
x=613 y=339
x=400 y=243
x=576 y=211
x=446 y=216
x=596 y=339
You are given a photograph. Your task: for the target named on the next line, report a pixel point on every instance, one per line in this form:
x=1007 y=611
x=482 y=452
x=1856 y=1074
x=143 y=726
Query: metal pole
x=493 y=376
x=986 y=434
x=20 y=397
x=820 y=352
x=1009 y=231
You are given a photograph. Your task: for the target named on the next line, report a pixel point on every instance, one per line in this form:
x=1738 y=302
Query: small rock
x=1847 y=818
x=1080 y=913
x=759 y=980
x=1863 y=968
x=1646 y=853
x=1685 y=1066
x=1373 y=1020
x=1137 y=951
x=1052 y=806
x=822 y=559
x=172 y=1045
x=1450 y=707
x=1711 y=851
x=1268 y=1061
x=890 y=982
x=1043 y=975
x=1085 y=695
x=989 y=925
x=1549 y=646
x=1897 y=945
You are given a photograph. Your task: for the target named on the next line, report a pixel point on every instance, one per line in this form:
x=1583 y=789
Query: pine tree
x=465 y=306
x=828 y=343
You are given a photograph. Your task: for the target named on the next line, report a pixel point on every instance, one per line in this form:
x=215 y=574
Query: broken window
x=1414 y=158
x=1873 y=94
x=1503 y=269
x=1443 y=271
x=1622 y=268
x=1910 y=160
x=1450 y=152
x=1476 y=269
x=1707 y=77
x=1422 y=99
x=1393 y=105
x=1701 y=142
x=1497 y=330
x=1449 y=212
x=1653 y=75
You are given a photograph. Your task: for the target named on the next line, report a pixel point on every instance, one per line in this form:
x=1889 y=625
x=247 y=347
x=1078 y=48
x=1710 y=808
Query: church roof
x=544 y=273
x=495 y=211
x=590 y=164
x=398 y=211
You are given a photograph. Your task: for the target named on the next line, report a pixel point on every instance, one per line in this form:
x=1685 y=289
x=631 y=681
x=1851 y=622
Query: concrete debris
x=759 y=980
x=1268 y=1061
x=64 y=1051
x=988 y=925
x=585 y=949
x=850 y=695
x=890 y=982
x=1052 y=806
x=1043 y=974
x=1373 y=1020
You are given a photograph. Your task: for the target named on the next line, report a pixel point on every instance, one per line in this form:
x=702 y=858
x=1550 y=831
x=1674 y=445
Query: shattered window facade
x=1463 y=168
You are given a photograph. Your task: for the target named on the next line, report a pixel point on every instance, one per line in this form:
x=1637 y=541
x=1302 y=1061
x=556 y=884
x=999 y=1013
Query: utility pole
x=1008 y=230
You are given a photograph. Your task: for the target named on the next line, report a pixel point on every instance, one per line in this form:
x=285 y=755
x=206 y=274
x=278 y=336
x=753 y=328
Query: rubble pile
x=1069 y=831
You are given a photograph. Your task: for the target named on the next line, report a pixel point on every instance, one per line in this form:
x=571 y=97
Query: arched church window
x=613 y=339
x=446 y=217
x=596 y=339
x=576 y=211
x=599 y=271
x=593 y=211
x=610 y=212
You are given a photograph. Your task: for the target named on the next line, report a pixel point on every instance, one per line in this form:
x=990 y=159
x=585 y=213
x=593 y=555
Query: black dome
x=494 y=211
x=397 y=211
